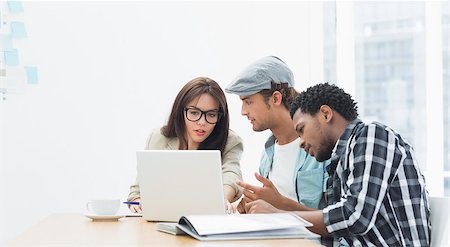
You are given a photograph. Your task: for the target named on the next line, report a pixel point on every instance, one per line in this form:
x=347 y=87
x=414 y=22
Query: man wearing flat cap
x=288 y=174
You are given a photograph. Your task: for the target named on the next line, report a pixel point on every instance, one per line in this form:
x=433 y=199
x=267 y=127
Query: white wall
x=108 y=73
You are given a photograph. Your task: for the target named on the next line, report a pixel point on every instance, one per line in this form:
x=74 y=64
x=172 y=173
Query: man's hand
x=260 y=206
x=268 y=192
x=241 y=206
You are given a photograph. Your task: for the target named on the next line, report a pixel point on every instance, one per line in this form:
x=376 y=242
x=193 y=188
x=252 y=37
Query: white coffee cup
x=103 y=207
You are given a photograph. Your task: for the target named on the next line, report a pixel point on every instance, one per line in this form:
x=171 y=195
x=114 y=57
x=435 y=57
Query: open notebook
x=240 y=226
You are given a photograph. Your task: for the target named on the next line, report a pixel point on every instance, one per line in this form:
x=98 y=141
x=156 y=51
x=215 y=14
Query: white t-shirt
x=284 y=163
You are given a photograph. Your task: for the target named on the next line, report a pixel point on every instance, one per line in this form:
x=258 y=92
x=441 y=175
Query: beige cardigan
x=230 y=159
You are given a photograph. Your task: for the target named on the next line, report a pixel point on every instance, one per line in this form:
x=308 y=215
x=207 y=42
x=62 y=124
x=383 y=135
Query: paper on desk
x=234 y=223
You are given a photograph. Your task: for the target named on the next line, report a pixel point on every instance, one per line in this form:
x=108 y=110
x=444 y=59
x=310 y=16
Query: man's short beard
x=325 y=150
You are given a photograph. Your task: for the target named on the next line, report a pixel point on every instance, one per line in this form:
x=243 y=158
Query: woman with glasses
x=199 y=120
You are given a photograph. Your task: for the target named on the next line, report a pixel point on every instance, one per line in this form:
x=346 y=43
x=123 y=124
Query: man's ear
x=325 y=113
x=277 y=98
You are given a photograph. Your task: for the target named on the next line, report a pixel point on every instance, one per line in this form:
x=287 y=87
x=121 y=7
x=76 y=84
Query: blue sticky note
x=32 y=75
x=15 y=6
x=18 y=30
x=11 y=57
x=5 y=42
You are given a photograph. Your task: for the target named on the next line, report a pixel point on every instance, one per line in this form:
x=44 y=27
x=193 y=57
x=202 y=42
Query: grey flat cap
x=260 y=75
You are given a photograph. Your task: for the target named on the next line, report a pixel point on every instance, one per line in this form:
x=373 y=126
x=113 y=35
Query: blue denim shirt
x=309 y=179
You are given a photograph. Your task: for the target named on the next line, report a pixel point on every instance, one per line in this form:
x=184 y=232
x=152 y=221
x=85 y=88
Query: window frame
x=346 y=75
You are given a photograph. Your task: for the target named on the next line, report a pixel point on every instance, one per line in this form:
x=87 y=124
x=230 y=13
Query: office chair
x=440 y=221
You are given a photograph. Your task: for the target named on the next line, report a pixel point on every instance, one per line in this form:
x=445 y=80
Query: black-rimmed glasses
x=194 y=114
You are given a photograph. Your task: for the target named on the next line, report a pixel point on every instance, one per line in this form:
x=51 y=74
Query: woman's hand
x=229 y=195
x=229 y=207
x=136 y=208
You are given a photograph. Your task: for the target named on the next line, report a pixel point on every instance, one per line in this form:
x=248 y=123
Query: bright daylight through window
x=390 y=73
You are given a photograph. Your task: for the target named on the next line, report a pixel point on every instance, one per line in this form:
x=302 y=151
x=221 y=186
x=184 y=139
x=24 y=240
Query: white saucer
x=96 y=217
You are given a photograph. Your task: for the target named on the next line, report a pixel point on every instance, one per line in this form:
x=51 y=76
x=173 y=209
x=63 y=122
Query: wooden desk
x=77 y=230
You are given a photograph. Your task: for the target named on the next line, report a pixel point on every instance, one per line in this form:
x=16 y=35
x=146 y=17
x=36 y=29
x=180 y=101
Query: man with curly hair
x=290 y=177
x=376 y=192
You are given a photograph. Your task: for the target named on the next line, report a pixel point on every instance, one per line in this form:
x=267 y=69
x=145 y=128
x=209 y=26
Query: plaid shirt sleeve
x=378 y=177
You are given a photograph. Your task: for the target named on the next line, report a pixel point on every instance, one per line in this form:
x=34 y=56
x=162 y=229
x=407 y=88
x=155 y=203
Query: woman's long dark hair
x=176 y=126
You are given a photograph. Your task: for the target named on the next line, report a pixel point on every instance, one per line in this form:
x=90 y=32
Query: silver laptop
x=174 y=183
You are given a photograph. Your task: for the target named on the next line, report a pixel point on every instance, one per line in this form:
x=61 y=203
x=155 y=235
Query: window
x=397 y=67
x=446 y=96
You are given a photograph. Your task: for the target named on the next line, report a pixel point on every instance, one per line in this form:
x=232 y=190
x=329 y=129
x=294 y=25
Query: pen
x=131 y=203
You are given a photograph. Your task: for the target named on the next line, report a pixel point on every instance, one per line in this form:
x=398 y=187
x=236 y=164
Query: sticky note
x=18 y=30
x=11 y=57
x=15 y=6
x=32 y=75
x=5 y=42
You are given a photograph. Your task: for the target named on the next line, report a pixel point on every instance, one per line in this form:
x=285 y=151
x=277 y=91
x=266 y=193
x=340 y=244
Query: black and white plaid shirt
x=376 y=193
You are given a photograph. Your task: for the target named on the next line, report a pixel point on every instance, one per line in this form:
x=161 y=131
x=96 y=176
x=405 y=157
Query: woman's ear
x=326 y=113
